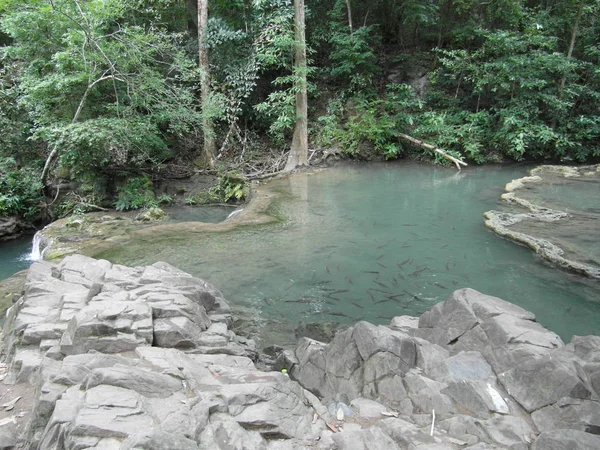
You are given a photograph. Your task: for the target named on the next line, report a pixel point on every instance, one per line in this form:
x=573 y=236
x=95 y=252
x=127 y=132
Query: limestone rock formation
x=102 y=356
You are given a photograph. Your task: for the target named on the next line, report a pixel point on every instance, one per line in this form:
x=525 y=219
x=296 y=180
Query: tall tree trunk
x=572 y=43
x=210 y=146
x=349 y=8
x=563 y=81
x=299 y=152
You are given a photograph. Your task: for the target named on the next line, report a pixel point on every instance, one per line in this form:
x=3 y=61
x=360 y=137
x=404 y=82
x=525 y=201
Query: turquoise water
x=371 y=242
x=14 y=256
x=206 y=214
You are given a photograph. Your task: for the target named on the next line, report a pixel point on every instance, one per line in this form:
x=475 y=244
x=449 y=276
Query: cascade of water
x=36 y=247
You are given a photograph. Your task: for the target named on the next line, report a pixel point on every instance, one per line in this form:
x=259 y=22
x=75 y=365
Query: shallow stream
x=371 y=242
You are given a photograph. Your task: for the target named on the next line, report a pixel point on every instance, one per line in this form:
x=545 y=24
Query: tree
x=210 y=146
x=298 y=155
x=101 y=92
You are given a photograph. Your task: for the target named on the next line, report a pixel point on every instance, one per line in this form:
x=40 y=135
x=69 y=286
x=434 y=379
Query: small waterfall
x=36 y=248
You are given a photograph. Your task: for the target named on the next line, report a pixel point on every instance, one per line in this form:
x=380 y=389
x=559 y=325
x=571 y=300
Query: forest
x=110 y=96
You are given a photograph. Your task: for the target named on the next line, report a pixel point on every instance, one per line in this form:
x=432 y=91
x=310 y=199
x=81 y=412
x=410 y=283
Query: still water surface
x=14 y=256
x=371 y=242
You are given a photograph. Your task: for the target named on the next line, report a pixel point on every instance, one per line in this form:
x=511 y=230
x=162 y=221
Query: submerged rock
x=103 y=356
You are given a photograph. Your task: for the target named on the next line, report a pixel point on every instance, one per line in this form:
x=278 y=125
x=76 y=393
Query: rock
x=368 y=409
x=463 y=310
x=576 y=414
x=476 y=398
x=143 y=358
x=464 y=366
x=566 y=440
x=108 y=327
x=152 y=215
x=543 y=381
x=367 y=439
x=319 y=331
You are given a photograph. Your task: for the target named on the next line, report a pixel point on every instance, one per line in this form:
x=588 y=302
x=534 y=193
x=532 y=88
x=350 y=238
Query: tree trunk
x=572 y=43
x=210 y=146
x=299 y=152
x=349 y=8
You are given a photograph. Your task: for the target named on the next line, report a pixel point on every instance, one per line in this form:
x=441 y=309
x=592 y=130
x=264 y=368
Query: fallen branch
x=439 y=151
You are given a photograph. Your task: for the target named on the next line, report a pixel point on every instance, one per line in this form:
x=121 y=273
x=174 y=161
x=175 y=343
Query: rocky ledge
x=102 y=356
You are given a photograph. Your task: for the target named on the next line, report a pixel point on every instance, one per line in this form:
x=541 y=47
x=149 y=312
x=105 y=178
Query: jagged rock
x=367 y=439
x=477 y=398
x=543 y=381
x=143 y=358
x=576 y=414
x=108 y=327
x=566 y=440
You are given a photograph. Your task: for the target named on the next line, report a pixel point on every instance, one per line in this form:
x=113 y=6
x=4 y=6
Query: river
x=370 y=242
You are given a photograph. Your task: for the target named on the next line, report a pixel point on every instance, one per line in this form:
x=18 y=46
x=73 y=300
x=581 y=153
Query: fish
x=403 y=262
x=418 y=271
x=268 y=302
x=301 y=300
x=385 y=300
x=385 y=317
x=448 y=267
x=440 y=285
x=379 y=290
x=380 y=256
x=381 y=284
x=371 y=271
x=327 y=270
x=382 y=265
x=444 y=246
x=401 y=276
x=454 y=282
x=357 y=305
x=339 y=314
x=340 y=291
x=350 y=280
x=371 y=295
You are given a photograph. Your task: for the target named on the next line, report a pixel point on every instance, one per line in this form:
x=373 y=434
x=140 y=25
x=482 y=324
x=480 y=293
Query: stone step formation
x=102 y=356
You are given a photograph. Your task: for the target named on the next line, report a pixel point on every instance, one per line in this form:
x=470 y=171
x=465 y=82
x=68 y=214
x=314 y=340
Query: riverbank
x=106 y=356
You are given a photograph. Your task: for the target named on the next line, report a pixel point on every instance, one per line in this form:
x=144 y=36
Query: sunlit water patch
x=371 y=242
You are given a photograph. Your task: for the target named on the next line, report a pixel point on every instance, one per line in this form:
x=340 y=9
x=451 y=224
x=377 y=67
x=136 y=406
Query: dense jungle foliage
x=112 y=87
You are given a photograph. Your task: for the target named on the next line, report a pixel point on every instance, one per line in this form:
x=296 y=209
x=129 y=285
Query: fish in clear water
x=385 y=300
x=381 y=284
x=358 y=305
x=336 y=313
x=371 y=271
x=440 y=285
x=382 y=265
x=418 y=271
x=403 y=262
x=380 y=256
x=380 y=291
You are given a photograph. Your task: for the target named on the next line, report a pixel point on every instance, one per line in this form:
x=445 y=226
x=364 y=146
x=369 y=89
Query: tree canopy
x=98 y=90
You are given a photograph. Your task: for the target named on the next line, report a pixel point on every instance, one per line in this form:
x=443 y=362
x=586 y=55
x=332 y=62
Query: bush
x=20 y=191
x=136 y=194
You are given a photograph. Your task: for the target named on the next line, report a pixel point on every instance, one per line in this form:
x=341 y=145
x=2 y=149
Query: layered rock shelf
x=101 y=356
x=556 y=213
